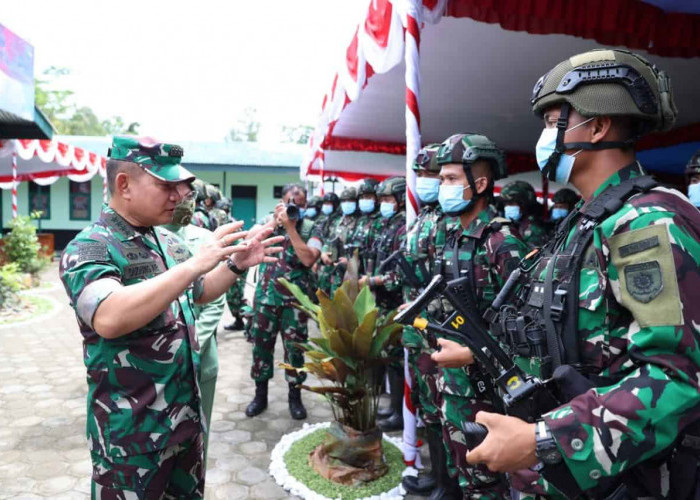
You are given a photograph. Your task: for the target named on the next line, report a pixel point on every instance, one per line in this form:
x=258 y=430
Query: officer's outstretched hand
x=509 y=445
x=256 y=249
x=452 y=354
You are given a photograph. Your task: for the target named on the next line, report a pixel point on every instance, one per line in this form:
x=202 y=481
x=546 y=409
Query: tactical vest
x=540 y=320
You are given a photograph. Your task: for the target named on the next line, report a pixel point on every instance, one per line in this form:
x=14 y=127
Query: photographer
x=273 y=303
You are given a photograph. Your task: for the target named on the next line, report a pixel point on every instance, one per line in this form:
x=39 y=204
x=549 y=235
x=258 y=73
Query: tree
x=297 y=134
x=246 y=128
x=68 y=118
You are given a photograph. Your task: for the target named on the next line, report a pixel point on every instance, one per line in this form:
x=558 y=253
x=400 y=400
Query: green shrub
x=22 y=245
x=11 y=282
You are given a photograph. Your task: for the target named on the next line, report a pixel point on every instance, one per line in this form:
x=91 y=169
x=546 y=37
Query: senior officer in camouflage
x=615 y=292
x=520 y=204
x=485 y=248
x=207 y=315
x=274 y=312
x=133 y=287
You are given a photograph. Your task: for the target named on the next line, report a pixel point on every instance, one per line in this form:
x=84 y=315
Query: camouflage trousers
x=423 y=373
x=173 y=473
x=267 y=321
x=477 y=482
x=235 y=296
x=207 y=389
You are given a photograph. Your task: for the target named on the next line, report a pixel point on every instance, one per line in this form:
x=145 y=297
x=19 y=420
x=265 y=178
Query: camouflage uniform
x=274 y=312
x=207 y=321
x=141 y=415
x=217 y=217
x=366 y=231
x=323 y=229
x=201 y=218
x=497 y=252
x=392 y=237
x=635 y=334
x=235 y=296
x=532 y=231
x=335 y=245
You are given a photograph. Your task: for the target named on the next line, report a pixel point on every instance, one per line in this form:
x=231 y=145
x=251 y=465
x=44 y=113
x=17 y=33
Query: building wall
x=265 y=178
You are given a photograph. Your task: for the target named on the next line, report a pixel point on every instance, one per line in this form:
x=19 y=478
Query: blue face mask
x=327 y=209
x=302 y=213
x=427 y=189
x=512 y=212
x=310 y=213
x=367 y=206
x=348 y=207
x=387 y=209
x=545 y=148
x=694 y=194
x=452 y=199
x=559 y=213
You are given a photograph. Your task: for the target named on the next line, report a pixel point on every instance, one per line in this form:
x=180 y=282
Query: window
x=277 y=192
x=40 y=200
x=80 y=200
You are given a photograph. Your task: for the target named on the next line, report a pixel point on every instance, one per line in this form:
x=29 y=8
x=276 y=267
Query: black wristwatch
x=547 y=451
x=235 y=269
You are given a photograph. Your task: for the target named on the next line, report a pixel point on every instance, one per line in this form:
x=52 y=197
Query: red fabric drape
x=628 y=23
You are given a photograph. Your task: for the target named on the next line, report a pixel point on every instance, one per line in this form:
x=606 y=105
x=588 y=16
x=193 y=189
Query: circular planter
x=296 y=486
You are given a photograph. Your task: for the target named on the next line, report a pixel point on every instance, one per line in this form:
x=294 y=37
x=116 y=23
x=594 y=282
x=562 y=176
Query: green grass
x=296 y=460
x=34 y=305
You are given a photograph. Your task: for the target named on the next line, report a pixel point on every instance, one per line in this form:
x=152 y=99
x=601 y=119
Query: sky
x=186 y=70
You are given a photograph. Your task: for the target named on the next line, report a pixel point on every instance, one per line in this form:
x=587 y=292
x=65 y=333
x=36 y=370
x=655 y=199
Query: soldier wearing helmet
x=337 y=247
x=324 y=227
x=692 y=172
x=369 y=223
x=564 y=202
x=201 y=213
x=611 y=297
x=484 y=248
x=313 y=208
x=520 y=205
x=217 y=216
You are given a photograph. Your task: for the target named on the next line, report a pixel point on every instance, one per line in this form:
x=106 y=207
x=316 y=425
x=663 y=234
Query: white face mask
x=545 y=148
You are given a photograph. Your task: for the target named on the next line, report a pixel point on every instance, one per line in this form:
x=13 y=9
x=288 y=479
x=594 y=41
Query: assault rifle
x=523 y=395
x=399 y=259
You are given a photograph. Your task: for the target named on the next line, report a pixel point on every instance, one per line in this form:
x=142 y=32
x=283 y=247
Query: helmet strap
x=550 y=169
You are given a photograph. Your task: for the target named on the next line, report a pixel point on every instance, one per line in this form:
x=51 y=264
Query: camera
x=293 y=211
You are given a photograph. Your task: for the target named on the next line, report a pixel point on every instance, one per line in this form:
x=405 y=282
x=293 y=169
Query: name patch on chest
x=134 y=271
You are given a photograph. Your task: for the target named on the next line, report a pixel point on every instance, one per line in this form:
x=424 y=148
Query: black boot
x=259 y=403
x=447 y=487
x=296 y=407
x=236 y=325
x=394 y=422
x=424 y=484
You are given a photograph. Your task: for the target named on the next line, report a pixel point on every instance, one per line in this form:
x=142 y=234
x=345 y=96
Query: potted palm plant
x=348 y=359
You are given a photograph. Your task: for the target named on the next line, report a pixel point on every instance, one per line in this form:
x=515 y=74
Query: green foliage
x=296 y=460
x=246 y=129
x=21 y=245
x=10 y=284
x=351 y=352
x=297 y=134
x=57 y=104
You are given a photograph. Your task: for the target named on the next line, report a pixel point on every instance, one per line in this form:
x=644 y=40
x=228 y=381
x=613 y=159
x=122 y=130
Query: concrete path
x=43 y=452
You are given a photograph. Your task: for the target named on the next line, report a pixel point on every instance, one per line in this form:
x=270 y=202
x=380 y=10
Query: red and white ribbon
x=105 y=190
x=14 y=183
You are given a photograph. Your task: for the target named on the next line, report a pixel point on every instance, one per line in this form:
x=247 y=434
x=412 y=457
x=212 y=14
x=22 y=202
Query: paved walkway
x=43 y=452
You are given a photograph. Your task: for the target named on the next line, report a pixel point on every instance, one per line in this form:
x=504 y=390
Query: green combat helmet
x=427 y=159
x=315 y=202
x=566 y=196
x=393 y=186
x=693 y=166
x=224 y=204
x=368 y=186
x=212 y=192
x=160 y=160
x=200 y=190
x=519 y=192
x=605 y=83
x=348 y=194
x=333 y=198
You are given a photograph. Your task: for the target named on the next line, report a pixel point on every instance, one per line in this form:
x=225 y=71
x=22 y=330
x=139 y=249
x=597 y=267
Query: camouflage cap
x=520 y=192
x=427 y=159
x=160 y=160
